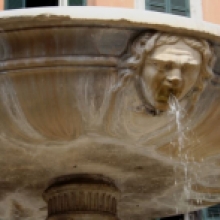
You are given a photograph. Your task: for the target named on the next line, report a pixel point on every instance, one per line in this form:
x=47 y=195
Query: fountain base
x=80 y=197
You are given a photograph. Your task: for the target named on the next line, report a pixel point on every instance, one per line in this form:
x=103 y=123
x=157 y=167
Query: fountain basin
x=66 y=108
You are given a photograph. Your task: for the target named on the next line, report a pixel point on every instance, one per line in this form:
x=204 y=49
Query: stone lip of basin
x=111 y=17
x=59 y=68
x=114 y=17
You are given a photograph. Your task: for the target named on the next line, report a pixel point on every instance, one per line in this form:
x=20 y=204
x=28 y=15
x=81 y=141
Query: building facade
x=197 y=9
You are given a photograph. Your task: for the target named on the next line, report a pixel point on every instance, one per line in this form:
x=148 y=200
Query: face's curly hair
x=132 y=66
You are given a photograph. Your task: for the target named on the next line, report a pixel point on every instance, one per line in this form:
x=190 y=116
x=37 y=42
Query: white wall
x=196 y=9
x=62 y=2
x=139 y=4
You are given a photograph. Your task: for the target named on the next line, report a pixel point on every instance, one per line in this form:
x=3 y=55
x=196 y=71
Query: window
x=214 y=212
x=40 y=3
x=15 y=4
x=76 y=2
x=211 y=213
x=177 y=7
x=176 y=217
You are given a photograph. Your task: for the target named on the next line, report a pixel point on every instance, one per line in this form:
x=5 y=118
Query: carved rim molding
x=82 y=195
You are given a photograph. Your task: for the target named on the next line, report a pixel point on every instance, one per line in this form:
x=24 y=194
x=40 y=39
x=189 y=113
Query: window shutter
x=14 y=4
x=214 y=212
x=156 y=5
x=179 y=7
x=76 y=2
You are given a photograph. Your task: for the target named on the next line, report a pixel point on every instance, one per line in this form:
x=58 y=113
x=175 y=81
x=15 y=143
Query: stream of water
x=185 y=138
x=179 y=114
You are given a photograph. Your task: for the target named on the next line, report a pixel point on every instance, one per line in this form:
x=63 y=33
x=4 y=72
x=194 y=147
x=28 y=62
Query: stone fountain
x=86 y=130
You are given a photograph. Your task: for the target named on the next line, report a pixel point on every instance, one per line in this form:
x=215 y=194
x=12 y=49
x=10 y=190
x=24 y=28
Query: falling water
x=179 y=114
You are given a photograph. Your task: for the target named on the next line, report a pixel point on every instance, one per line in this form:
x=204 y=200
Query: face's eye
x=168 y=66
x=184 y=68
x=152 y=63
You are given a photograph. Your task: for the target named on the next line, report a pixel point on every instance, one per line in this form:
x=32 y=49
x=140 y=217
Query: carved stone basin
x=85 y=91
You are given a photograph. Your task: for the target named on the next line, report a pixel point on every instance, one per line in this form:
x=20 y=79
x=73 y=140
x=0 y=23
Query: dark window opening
x=177 y=217
x=40 y=3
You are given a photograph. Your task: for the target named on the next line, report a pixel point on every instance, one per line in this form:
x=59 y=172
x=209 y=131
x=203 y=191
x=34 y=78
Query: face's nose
x=174 y=77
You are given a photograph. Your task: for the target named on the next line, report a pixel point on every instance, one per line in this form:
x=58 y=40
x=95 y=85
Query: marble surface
x=62 y=113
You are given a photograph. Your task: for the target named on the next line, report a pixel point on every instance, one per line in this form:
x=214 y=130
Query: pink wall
x=112 y=3
x=211 y=11
x=1 y=5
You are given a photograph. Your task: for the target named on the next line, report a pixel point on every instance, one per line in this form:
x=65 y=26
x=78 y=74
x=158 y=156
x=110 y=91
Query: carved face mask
x=169 y=69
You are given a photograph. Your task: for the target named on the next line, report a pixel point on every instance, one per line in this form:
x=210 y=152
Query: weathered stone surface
x=68 y=106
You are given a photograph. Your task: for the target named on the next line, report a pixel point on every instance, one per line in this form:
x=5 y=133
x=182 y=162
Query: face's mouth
x=164 y=94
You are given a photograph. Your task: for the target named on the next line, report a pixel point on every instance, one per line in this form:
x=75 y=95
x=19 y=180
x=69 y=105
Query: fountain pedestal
x=82 y=197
